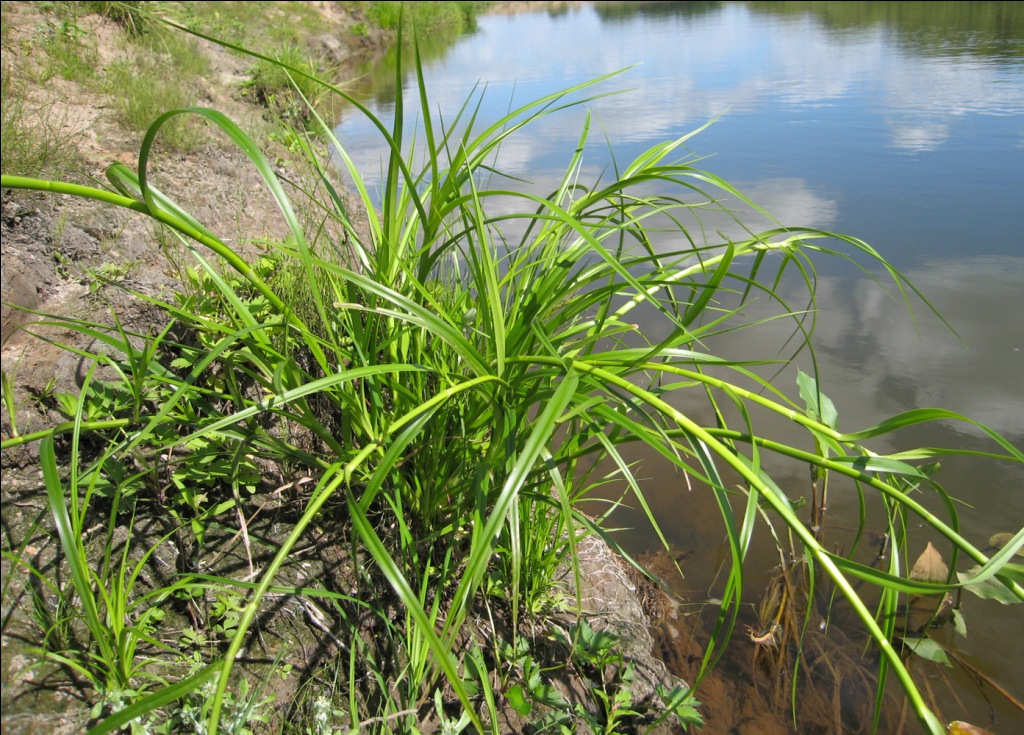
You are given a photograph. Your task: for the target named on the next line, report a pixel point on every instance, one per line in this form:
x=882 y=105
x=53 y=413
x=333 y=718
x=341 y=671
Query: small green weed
x=324 y=718
x=597 y=655
x=108 y=273
x=116 y=621
x=53 y=611
x=247 y=709
x=597 y=658
x=10 y=405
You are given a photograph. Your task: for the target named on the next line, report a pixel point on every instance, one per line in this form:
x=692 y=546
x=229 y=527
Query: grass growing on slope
x=33 y=138
x=444 y=381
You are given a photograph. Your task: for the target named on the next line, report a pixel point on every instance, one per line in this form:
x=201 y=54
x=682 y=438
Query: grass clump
x=290 y=97
x=34 y=137
x=153 y=52
x=70 y=52
x=262 y=25
x=435 y=391
x=426 y=16
x=134 y=16
x=130 y=83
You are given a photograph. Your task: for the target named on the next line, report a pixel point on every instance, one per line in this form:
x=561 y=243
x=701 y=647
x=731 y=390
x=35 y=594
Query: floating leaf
x=999 y=540
x=929 y=649
x=990 y=588
x=930 y=567
x=925 y=611
x=958 y=727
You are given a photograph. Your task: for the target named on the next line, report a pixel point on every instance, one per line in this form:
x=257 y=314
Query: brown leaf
x=930 y=567
x=1000 y=540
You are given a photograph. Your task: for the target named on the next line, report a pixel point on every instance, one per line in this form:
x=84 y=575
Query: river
x=898 y=123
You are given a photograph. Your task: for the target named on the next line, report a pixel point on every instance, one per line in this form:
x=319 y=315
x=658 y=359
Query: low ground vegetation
x=371 y=433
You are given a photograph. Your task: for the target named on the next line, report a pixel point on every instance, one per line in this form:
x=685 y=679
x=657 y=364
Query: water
x=899 y=123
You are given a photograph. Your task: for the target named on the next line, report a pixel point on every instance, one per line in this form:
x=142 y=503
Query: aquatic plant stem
x=925 y=715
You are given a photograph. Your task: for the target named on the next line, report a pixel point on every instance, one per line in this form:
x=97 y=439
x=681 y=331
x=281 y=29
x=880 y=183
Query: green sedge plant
x=450 y=375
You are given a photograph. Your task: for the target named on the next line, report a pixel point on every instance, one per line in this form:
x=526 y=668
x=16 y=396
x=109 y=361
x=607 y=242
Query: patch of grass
x=35 y=138
x=174 y=59
x=134 y=16
x=270 y=25
x=139 y=100
x=159 y=72
x=159 y=69
x=70 y=51
x=180 y=51
x=290 y=98
x=385 y=14
x=425 y=16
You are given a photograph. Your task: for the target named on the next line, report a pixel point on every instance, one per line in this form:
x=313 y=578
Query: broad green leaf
x=819 y=406
x=929 y=649
x=517 y=700
x=959 y=624
x=989 y=588
x=869 y=463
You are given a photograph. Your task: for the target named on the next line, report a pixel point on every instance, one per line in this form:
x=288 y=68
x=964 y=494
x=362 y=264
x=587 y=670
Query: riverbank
x=80 y=88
